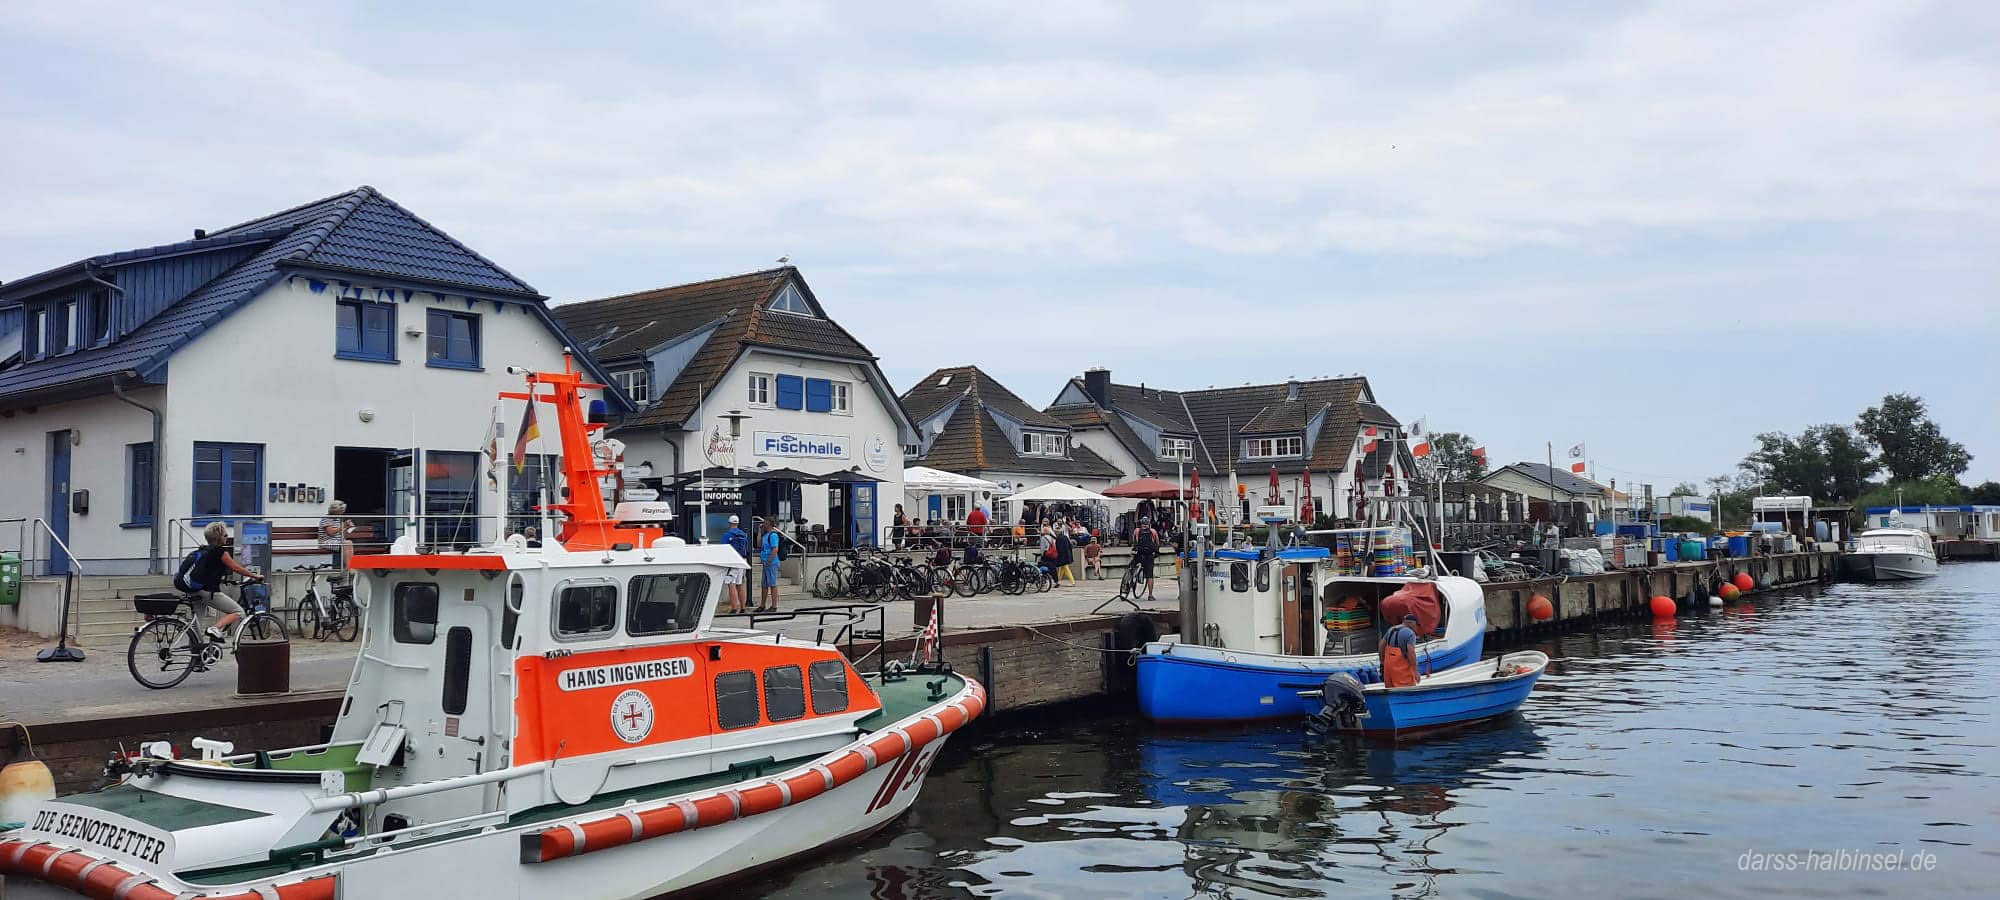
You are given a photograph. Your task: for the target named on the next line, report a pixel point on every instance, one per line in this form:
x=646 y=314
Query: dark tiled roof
x=927 y=396
x=1566 y=482
x=1162 y=408
x=1285 y=415
x=1375 y=415
x=1222 y=414
x=631 y=324
x=359 y=230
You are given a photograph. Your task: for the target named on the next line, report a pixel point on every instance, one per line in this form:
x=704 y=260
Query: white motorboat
x=522 y=721
x=1891 y=554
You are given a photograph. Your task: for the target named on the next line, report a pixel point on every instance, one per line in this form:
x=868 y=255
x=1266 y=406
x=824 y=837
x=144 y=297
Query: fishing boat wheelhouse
x=562 y=720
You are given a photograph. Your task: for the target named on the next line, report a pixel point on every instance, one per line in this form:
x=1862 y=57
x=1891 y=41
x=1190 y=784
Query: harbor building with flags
x=1580 y=501
x=1325 y=439
x=344 y=349
x=750 y=400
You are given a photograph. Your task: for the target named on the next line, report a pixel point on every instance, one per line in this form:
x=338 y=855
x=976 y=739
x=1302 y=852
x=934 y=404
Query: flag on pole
x=1576 y=453
x=1479 y=453
x=1306 y=501
x=529 y=431
x=1274 y=485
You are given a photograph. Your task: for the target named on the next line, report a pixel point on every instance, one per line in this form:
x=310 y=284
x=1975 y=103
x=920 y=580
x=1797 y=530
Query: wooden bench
x=303 y=540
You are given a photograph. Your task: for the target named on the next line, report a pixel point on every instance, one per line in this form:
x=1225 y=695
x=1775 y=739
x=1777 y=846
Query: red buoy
x=1744 y=582
x=1663 y=607
x=1540 y=609
x=1728 y=592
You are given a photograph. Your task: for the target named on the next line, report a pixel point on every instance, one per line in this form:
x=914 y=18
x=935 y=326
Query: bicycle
x=334 y=615
x=173 y=645
x=1136 y=581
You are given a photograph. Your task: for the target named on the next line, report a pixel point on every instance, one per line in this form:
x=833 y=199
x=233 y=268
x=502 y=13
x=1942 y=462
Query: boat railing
x=354 y=799
x=842 y=624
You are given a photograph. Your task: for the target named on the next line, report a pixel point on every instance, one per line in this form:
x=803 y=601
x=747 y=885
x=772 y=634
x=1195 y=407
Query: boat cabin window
x=1264 y=577
x=784 y=693
x=416 y=608
x=736 y=699
x=585 y=610
x=664 y=604
x=829 y=686
x=457 y=669
x=1239 y=577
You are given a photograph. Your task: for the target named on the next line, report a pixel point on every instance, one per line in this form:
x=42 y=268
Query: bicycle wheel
x=346 y=623
x=828 y=584
x=309 y=623
x=309 y=602
x=1129 y=587
x=260 y=626
x=966 y=582
x=1046 y=583
x=162 y=653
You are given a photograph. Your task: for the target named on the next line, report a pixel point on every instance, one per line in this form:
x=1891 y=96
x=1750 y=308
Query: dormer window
x=1273 y=447
x=1035 y=443
x=634 y=384
x=790 y=301
x=34 y=330
x=1177 y=448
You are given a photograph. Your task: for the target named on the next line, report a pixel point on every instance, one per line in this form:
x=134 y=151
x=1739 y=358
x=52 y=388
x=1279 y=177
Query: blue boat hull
x=1405 y=711
x=1175 y=688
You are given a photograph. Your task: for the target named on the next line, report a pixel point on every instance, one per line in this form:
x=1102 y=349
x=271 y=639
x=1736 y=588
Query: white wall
x=1102 y=442
x=104 y=426
x=870 y=420
x=267 y=375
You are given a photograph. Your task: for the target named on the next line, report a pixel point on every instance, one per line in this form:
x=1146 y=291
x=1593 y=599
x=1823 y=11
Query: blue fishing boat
x=1258 y=627
x=1475 y=693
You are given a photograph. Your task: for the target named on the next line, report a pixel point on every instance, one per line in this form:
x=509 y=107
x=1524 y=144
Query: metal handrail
x=62 y=651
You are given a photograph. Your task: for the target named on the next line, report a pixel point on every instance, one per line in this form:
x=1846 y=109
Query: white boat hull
x=1891 y=566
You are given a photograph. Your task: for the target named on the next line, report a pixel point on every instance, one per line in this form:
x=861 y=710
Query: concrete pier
x=1579 y=599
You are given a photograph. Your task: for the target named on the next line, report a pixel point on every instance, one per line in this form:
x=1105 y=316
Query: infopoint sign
x=802 y=446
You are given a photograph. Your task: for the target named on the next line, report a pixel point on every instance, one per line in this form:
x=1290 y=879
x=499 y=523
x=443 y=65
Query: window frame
x=756 y=693
x=63 y=327
x=759 y=389
x=361 y=353
x=102 y=314
x=34 y=331
x=638 y=377
x=1041 y=443
x=555 y=610
x=227 y=462
x=138 y=489
x=841 y=398
x=812 y=696
x=449 y=317
x=632 y=604
x=764 y=685
x=779 y=302
x=1277 y=447
x=1177 y=448
x=399 y=622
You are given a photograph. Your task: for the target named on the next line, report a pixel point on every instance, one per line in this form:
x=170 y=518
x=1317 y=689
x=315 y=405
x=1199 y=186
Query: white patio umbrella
x=926 y=480
x=1057 y=492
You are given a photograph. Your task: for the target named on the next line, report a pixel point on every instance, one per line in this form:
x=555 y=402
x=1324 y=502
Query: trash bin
x=264 y=667
x=10 y=579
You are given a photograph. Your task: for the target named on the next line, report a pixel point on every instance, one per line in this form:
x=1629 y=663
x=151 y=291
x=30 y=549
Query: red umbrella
x=1194 y=491
x=1144 y=489
x=1306 y=496
x=1274 y=484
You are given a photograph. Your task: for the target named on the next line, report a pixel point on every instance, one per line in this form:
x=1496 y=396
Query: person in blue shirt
x=733 y=600
x=767 y=547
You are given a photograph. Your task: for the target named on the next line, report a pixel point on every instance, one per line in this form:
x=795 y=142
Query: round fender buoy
x=1744 y=582
x=1540 y=609
x=1729 y=592
x=1714 y=602
x=1663 y=607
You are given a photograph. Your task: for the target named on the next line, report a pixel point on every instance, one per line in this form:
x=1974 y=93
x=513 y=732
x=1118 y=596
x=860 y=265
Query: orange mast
x=585 y=527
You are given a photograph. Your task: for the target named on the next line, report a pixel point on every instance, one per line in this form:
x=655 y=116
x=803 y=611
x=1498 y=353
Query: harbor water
x=1835 y=741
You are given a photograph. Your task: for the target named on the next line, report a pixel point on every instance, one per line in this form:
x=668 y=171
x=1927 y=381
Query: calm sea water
x=1661 y=760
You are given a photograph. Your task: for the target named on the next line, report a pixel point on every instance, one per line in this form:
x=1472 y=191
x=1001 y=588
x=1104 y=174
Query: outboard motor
x=1341 y=705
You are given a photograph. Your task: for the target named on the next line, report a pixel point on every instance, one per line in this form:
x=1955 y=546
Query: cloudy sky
x=1657 y=229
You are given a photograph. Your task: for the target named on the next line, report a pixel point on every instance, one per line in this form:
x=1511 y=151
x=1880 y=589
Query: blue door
x=59 y=446
x=861 y=511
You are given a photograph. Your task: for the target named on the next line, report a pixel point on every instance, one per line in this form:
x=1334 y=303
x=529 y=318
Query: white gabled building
x=258 y=372
x=822 y=435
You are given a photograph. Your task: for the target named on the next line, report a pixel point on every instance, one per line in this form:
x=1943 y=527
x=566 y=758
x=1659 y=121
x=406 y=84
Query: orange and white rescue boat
x=555 y=721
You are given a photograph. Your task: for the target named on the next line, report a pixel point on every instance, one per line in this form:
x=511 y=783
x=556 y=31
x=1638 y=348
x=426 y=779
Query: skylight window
x=788 y=300
x=944 y=381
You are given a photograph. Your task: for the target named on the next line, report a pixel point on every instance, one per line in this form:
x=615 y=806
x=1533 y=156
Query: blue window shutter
x=819 y=395
x=791 y=392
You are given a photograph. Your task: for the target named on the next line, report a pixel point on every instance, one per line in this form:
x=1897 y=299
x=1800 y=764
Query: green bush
x=1687 y=523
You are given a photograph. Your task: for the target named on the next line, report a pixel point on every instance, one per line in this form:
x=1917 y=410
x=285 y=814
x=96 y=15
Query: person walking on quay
x=1045 y=551
x=1065 y=554
x=768 y=545
x=733 y=600
x=1145 y=546
x=902 y=526
x=1398 y=650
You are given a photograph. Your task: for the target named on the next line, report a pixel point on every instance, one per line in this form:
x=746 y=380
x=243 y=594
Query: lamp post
x=735 y=419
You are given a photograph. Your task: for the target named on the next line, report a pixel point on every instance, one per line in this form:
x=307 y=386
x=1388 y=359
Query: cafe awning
x=926 y=480
x=1057 y=492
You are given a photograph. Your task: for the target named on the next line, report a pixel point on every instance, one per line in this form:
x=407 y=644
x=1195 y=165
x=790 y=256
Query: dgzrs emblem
x=632 y=716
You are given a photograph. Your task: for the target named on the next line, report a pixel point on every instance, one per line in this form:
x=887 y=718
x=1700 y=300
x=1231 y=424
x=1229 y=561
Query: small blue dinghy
x=1471 y=693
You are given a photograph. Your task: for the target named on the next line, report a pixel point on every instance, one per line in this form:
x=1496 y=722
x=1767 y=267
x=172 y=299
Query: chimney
x=1097 y=383
x=1291 y=389
x=200 y=234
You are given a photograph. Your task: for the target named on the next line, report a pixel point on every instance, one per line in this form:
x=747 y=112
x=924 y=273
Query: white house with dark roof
x=258 y=372
x=973 y=425
x=820 y=436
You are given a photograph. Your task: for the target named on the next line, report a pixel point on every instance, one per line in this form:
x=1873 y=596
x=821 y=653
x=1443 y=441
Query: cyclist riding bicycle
x=202 y=572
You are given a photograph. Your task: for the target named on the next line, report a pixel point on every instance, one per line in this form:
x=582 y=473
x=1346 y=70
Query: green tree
x=1936 y=490
x=1685 y=489
x=1827 y=462
x=1913 y=447
x=1986 y=494
x=1452 y=452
